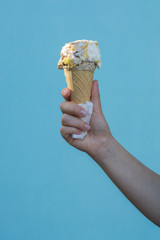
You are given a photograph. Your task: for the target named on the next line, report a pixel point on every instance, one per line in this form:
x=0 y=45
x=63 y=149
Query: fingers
x=74 y=122
x=66 y=94
x=68 y=131
x=71 y=119
x=70 y=107
x=73 y=109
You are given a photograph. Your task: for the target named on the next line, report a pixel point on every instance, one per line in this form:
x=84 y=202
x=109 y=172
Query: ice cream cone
x=80 y=84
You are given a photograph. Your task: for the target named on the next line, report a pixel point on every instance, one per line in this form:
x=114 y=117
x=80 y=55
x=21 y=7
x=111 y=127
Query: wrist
x=106 y=149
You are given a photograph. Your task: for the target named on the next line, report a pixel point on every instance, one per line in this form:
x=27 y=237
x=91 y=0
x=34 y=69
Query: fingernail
x=83 y=112
x=64 y=91
x=86 y=126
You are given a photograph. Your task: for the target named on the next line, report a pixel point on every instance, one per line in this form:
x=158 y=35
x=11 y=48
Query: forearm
x=138 y=183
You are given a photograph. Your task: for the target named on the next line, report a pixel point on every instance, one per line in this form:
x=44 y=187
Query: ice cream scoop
x=80 y=55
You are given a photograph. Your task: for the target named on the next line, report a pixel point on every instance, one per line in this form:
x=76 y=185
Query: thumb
x=95 y=97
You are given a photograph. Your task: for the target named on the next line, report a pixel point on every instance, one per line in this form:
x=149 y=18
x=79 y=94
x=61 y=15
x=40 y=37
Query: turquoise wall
x=49 y=190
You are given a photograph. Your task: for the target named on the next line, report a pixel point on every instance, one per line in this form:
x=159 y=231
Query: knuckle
x=64 y=118
x=62 y=106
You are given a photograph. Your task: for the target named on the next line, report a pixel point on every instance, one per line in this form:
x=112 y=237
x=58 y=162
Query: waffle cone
x=80 y=84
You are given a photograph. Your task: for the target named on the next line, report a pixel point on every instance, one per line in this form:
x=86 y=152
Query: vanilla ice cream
x=80 y=55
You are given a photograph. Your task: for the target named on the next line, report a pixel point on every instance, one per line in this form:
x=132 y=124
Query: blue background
x=49 y=190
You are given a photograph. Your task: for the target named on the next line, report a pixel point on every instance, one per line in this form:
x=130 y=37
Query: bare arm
x=138 y=183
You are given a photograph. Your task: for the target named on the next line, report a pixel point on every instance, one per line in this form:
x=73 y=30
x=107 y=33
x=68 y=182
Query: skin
x=137 y=182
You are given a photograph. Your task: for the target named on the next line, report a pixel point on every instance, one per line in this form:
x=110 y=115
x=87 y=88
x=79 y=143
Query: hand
x=98 y=134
